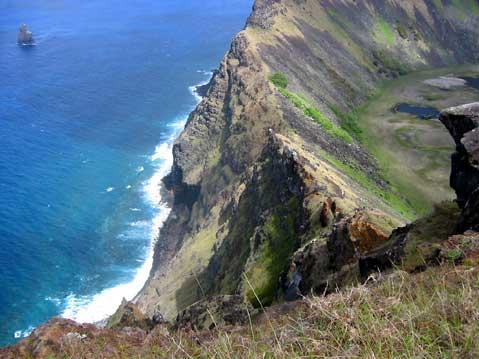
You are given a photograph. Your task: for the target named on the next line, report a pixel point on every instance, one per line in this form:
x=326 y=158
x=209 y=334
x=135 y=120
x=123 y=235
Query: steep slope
x=261 y=170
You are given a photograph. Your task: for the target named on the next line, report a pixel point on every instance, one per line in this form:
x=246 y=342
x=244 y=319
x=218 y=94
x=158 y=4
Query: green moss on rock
x=273 y=255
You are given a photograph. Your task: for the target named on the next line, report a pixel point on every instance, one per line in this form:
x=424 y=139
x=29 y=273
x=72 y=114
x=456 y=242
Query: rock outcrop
x=330 y=262
x=24 y=37
x=128 y=315
x=462 y=123
x=215 y=312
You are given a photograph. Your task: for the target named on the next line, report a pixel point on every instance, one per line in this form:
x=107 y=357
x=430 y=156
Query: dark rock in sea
x=24 y=37
x=462 y=123
x=202 y=90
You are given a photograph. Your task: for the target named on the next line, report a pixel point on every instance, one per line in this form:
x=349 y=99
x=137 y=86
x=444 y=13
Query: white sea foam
x=56 y=301
x=92 y=309
x=193 y=88
x=109 y=189
x=89 y=309
x=140 y=169
x=23 y=333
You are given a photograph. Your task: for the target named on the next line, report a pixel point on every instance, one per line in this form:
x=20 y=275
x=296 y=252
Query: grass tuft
x=279 y=80
x=384 y=31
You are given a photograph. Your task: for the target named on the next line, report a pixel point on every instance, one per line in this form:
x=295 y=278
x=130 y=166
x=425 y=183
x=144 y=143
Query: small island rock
x=24 y=36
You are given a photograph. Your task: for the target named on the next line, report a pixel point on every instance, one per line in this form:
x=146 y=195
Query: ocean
x=87 y=119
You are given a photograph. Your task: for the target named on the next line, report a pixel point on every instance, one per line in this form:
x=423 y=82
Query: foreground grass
x=434 y=314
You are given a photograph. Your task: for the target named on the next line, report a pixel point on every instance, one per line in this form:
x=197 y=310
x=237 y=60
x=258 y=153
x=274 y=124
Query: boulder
x=128 y=315
x=218 y=311
x=462 y=123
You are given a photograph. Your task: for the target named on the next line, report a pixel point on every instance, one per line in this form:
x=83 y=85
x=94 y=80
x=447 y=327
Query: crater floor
x=414 y=153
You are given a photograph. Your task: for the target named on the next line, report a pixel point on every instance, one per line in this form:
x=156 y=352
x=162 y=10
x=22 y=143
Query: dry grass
x=434 y=314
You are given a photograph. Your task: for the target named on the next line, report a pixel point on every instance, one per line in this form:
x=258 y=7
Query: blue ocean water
x=87 y=117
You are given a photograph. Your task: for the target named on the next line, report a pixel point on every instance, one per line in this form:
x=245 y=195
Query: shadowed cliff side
x=261 y=170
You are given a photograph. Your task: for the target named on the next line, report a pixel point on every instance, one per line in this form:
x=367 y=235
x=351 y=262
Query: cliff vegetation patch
x=301 y=103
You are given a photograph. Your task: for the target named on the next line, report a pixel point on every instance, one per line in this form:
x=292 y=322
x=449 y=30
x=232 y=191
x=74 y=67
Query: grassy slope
x=348 y=130
x=434 y=314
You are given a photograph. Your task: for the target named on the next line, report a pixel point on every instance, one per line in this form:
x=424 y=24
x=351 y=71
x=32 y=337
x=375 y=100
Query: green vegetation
x=390 y=62
x=384 y=31
x=279 y=80
x=402 y=31
x=309 y=110
x=349 y=122
x=274 y=252
x=438 y=3
x=465 y=7
x=388 y=195
x=434 y=96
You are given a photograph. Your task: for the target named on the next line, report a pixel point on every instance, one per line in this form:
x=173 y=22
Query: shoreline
x=85 y=310
x=165 y=195
x=97 y=308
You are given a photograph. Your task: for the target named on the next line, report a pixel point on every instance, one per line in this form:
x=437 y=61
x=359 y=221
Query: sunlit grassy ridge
x=300 y=102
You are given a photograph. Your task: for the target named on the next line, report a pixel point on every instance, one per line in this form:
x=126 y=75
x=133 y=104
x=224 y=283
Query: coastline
x=163 y=194
x=99 y=307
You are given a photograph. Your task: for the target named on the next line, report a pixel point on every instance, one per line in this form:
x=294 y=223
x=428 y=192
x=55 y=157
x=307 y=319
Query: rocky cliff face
x=462 y=123
x=258 y=174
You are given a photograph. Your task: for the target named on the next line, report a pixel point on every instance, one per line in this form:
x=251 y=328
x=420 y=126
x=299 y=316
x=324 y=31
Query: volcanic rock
x=24 y=36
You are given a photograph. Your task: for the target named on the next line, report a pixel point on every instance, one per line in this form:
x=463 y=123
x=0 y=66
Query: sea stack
x=24 y=36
